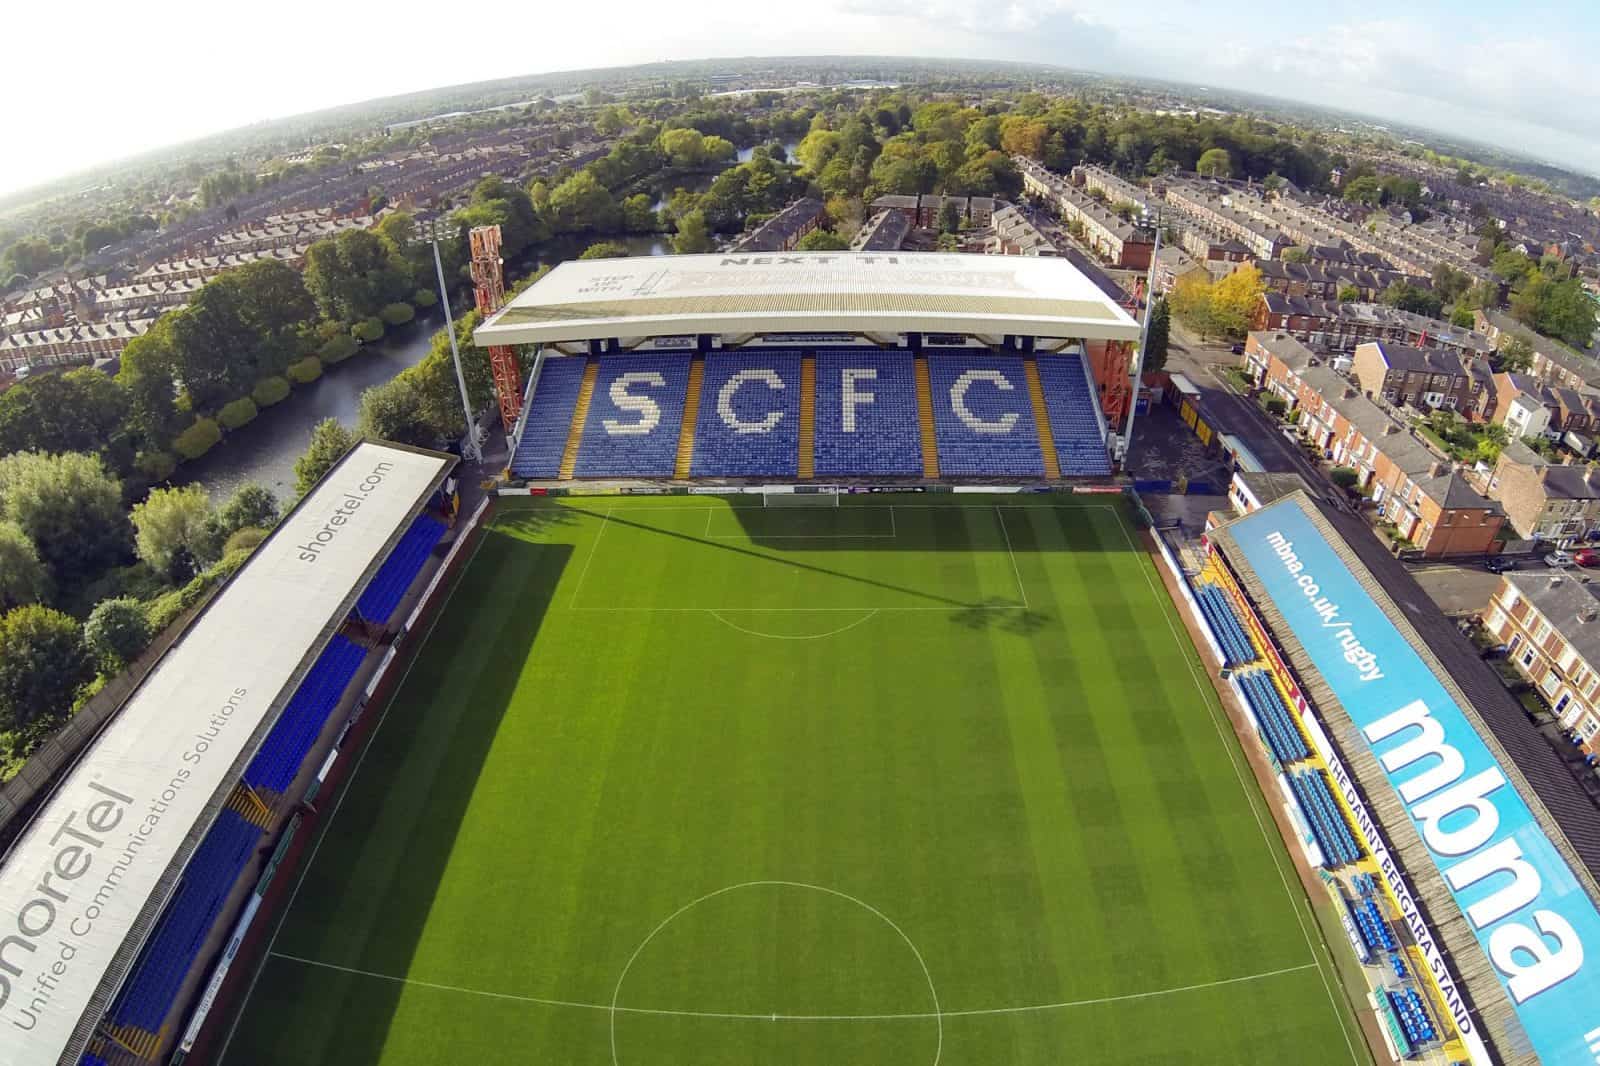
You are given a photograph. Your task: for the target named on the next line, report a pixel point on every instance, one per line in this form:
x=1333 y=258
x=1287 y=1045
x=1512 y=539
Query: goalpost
x=809 y=496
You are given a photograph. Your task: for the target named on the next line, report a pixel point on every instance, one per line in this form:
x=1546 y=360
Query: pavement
x=1457 y=588
x=1206 y=365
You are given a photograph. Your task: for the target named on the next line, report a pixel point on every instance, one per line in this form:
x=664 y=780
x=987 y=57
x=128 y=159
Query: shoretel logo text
x=1457 y=819
x=348 y=505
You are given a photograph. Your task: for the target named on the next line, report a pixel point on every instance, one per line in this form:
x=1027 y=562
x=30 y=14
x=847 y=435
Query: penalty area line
x=1032 y=1008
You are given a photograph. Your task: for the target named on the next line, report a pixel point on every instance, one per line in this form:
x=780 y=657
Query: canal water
x=264 y=451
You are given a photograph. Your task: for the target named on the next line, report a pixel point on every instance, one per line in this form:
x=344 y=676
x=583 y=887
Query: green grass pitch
x=685 y=781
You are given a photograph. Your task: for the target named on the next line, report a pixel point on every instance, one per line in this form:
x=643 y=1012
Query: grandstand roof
x=84 y=882
x=740 y=292
x=1332 y=597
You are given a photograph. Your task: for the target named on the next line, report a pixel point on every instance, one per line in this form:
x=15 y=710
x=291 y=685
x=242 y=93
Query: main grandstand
x=816 y=367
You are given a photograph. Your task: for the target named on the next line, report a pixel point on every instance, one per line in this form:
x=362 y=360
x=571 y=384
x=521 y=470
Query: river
x=264 y=451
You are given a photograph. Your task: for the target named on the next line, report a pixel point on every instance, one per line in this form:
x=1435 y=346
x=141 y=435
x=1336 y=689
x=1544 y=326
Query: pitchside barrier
x=379 y=686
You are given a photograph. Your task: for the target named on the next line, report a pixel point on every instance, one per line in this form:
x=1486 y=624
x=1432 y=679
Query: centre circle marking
x=867 y=617
x=933 y=993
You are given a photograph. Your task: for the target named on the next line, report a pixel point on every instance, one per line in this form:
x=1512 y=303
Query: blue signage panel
x=1522 y=901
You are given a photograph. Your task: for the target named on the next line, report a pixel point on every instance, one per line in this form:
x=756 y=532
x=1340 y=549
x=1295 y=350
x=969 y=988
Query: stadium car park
x=808 y=693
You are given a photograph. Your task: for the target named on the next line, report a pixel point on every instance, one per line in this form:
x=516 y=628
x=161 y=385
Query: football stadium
x=807 y=690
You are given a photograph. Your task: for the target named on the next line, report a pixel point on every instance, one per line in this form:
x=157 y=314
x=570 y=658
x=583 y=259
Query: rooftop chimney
x=1390 y=428
x=1435 y=468
x=1349 y=393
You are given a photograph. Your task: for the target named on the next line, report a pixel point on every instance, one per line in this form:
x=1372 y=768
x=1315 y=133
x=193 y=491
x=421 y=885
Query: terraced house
x=1550 y=625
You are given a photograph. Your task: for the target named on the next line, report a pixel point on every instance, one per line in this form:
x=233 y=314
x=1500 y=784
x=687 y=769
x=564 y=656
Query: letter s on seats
x=648 y=410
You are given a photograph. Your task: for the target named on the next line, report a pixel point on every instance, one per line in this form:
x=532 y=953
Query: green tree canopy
x=23 y=577
x=169 y=521
x=117 y=631
x=82 y=410
x=250 y=507
x=43 y=664
x=693 y=234
x=329 y=441
x=1215 y=163
x=820 y=240
x=351 y=276
x=71 y=510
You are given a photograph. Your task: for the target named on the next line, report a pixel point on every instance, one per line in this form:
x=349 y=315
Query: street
x=1205 y=365
x=1458 y=589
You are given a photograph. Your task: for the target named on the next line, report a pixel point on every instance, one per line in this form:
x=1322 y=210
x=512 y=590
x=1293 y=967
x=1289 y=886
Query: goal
x=810 y=496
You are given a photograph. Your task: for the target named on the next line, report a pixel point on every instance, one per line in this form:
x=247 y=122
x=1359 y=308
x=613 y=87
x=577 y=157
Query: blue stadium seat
x=635 y=416
x=146 y=997
x=388 y=586
x=982 y=417
x=749 y=421
x=1070 y=398
x=280 y=755
x=544 y=431
x=877 y=432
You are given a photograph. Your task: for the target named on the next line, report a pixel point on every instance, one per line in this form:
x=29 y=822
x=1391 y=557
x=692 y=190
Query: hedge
x=368 y=330
x=198 y=439
x=157 y=466
x=424 y=298
x=240 y=412
x=269 y=391
x=397 y=314
x=338 y=350
x=305 y=371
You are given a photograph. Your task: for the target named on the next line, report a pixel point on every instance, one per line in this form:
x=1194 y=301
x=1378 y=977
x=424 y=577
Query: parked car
x=1587 y=557
x=1289 y=434
x=1499 y=564
x=1558 y=558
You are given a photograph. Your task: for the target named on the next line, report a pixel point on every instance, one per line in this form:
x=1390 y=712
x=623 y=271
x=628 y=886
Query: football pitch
x=686 y=781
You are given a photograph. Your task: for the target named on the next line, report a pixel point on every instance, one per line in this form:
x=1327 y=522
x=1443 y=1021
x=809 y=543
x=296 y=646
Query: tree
x=1234 y=298
x=1349 y=294
x=1155 y=351
x=117 y=631
x=43 y=664
x=71 y=510
x=1363 y=190
x=170 y=521
x=353 y=275
x=582 y=205
x=1295 y=255
x=250 y=507
x=82 y=410
x=820 y=240
x=949 y=217
x=693 y=234
x=329 y=442
x=1215 y=163
x=395 y=411
x=1408 y=297
x=1516 y=354
x=605 y=250
x=1345 y=477
x=23 y=577
x=1451 y=284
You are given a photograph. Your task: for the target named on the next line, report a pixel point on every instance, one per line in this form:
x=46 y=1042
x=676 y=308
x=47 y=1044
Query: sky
x=113 y=79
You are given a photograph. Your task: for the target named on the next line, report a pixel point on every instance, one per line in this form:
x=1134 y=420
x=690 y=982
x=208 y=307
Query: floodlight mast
x=1150 y=218
x=471 y=440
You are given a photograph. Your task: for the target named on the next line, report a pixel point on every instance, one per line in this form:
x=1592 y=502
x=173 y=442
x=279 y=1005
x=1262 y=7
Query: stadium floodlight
x=1149 y=218
x=431 y=230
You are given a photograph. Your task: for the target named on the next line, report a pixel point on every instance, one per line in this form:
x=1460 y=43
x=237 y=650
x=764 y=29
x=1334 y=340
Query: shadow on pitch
x=427 y=758
x=1003 y=616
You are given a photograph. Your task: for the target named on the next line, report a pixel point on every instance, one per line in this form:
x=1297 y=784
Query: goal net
x=812 y=496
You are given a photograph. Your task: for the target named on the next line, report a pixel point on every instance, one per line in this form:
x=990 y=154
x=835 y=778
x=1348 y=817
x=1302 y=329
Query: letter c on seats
x=958 y=401
x=730 y=418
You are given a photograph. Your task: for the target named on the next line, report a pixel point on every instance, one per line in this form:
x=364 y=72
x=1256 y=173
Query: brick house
x=1550 y=624
x=1430 y=504
x=1404 y=375
x=1544 y=500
